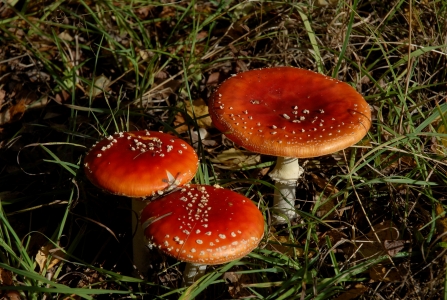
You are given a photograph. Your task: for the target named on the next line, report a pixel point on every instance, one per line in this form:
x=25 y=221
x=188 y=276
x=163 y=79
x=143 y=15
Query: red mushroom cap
x=140 y=163
x=203 y=224
x=286 y=111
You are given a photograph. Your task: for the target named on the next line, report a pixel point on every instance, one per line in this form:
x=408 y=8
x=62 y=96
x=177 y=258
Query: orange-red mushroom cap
x=140 y=163
x=203 y=224
x=292 y=112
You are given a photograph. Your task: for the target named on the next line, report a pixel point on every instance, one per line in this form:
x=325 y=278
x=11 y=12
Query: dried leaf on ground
x=280 y=244
x=235 y=283
x=334 y=235
x=213 y=79
x=100 y=85
x=13 y=113
x=199 y=111
x=352 y=293
x=441 y=222
x=2 y=97
x=388 y=243
x=203 y=138
x=385 y=231
x=64 y=35
x=5 y=277
x=393 y=247
x=235 y=159
x=440 y=148
x=6 y=280
x=384 y=273
x=48 y=251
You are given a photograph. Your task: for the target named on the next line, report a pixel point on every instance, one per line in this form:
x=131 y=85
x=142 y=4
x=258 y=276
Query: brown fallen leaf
x=278 y=246
x=388 y=243
x=6 y=280
x=100 y=86
x=203 y=138
x=393 y=247
x=352 y=293
x=385 y=231
x=235 y=159
x=235 y=282
x=441 y=222
x=213 y=79
x=334 y=235
x=143 y=11
x=199 y=111
x=5 y=277
x=13 y=113
x=384 y=273
x=48 y=251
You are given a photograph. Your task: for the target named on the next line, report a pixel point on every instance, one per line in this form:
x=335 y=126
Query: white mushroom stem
x=285 y=174
x=193 y=272
x=139 y=249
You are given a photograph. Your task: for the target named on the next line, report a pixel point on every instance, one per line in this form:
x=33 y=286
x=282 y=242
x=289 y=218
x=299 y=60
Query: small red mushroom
x=291 y=113
x=203 y=225
x=140 y=164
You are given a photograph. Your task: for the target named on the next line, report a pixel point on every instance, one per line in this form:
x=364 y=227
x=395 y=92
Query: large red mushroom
x=291 y=113
x=203 y=225
x=140 y=164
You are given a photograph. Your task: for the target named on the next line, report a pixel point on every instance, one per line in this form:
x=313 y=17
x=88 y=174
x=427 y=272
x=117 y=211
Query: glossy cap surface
x=292 y=112
x=140 y=163
x=203 y=224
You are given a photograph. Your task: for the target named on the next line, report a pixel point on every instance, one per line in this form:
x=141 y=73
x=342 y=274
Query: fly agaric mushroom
x=291 y=113
x=140 y=164
x=203 y=225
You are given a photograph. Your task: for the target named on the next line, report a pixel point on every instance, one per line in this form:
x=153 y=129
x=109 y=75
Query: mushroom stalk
x=285 y=174
x=139 y=249
x=193 y=272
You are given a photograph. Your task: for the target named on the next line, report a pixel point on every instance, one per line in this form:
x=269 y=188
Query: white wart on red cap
x=203 y=224
x=140 y=163
x=286 y=111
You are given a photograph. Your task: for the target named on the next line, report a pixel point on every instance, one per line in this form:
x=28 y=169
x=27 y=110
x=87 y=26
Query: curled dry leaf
x=213 y=79
x=334 y=235
x=13 y=113
x=5 y=277
x=385 y=231
x=385 y=273
x=388 y=243
x=235 y=159
x=441 y=222
x=6 y=280
x=203 y=138
x=64 y=35
x=143 y=11
x=439 y=145
x=235 y=283
x=46 y=252
x=393 y=247
x=352 y=293
x=100 y=86
x=281 y=246
x=199 y=111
